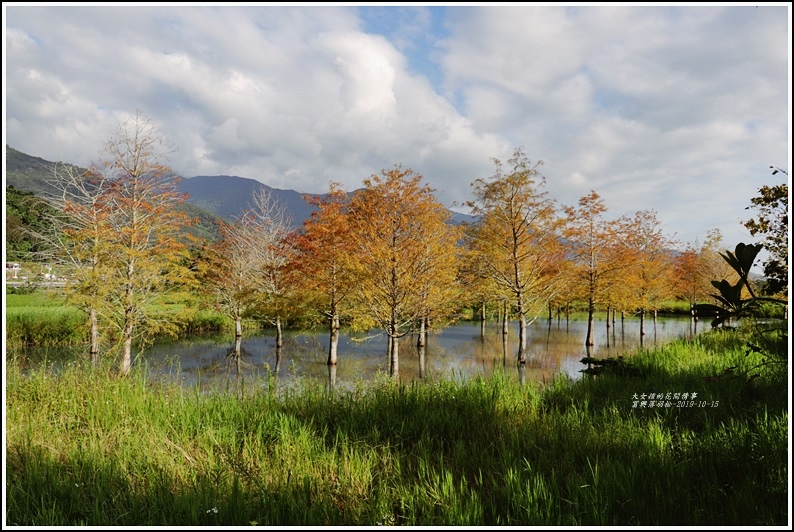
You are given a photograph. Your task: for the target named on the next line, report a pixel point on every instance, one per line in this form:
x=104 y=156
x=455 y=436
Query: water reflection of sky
x=457 y=352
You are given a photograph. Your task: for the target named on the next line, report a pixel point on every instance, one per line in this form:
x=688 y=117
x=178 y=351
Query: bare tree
x=265 y=230
x=146 y=242
x=76 y=237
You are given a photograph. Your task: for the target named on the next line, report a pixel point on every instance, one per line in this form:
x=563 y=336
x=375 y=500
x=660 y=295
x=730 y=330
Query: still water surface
x=458 y=352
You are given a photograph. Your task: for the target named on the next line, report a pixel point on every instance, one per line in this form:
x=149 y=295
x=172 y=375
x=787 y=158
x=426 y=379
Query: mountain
x=28 y=177
x=29 y=173
x=228 y=196
x=209 y=197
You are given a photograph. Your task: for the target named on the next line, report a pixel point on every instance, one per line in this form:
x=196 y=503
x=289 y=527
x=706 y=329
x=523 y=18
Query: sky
x=680 y=109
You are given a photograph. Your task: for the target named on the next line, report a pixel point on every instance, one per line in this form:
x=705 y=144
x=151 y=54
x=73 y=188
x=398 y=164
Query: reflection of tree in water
x=236 y=364
x=331 y=378
x=522 y=374
x=421 y=348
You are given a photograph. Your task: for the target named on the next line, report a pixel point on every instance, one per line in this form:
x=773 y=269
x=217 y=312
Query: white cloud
x=676 y=108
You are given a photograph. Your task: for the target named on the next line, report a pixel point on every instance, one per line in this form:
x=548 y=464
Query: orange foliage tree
x=146 y=246
x=697 y=266
x=324 y=266
x=76 y=236
x=650 y=274
x=407 y=252
x=596 y=254
x=517 y=238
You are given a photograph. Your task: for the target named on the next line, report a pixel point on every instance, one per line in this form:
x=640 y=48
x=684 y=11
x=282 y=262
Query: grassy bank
x=88 y=448
x=43 y=318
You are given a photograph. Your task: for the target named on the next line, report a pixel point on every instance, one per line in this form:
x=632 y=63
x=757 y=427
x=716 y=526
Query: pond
x=459 y=351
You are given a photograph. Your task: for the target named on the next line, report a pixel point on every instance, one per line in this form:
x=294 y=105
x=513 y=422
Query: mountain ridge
x=224 y=196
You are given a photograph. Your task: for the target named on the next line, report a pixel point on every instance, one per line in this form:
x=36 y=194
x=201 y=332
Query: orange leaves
x=404 y=245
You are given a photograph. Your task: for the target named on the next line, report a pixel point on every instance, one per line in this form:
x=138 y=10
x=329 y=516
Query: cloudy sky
x=681 y=109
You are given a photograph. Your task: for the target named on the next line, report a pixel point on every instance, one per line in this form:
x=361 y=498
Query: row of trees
x=386 y=257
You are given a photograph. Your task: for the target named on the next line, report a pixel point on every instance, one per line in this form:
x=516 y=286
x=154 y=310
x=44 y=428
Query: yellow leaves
x=404 y=245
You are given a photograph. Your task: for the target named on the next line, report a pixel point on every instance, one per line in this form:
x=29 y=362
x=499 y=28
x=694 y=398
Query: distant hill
x=28 y=176
x=29 y=173
x=229 y=196
x=220 y=196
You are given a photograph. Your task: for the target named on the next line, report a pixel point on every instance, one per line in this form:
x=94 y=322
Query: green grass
x=45 y=326
x=43 y=318
x=86 y=447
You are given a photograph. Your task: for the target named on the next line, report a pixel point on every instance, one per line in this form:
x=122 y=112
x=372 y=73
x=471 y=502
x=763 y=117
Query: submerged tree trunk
x=642 y=322
x=590 y=322
x=94 y=320
x=237 y=354
x=334 y=343
x=279 y=351
x=504 y=320
x=482 y=319
x=238 y=326
x=279 y=336
x=422 y=340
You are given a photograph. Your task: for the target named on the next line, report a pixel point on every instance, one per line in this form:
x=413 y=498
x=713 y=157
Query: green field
x=43 y=318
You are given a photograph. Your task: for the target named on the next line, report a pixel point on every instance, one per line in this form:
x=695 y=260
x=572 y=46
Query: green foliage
x=734 y=305
x=771 y=338
x=25 y=212
x=772 y=224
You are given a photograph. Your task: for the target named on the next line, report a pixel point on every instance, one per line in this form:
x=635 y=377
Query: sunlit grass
x=43 y=318
x=89 y=448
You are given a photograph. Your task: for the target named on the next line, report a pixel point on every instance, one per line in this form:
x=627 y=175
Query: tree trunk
x=590 y=322
x=334 y=343
x=422 y=340
x=504 y=320
x=608 y=310
x=394 y=363
x=279 y=336
x=482 y=319
x=126 y=357
x=422 y=362
x=522 y=333
x=278 y=359
x=92 y=316
x=331 y=378
x=642 y=322
x=126 y=336
x=238 y=326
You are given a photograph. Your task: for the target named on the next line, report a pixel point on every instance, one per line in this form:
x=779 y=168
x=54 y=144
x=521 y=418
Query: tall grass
x=86 y=447
x=43 y=318
x=45 y=326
